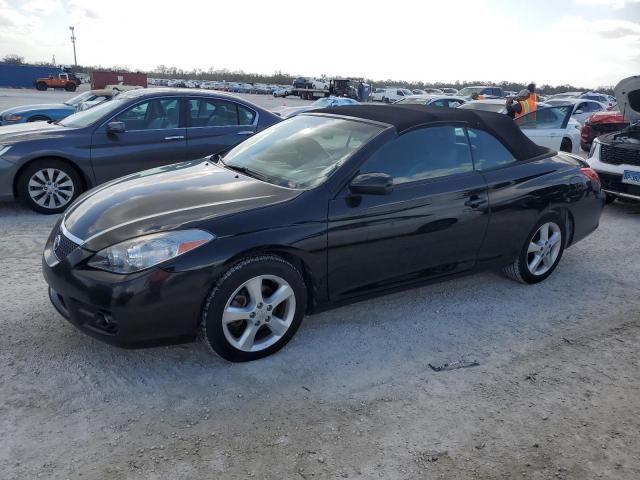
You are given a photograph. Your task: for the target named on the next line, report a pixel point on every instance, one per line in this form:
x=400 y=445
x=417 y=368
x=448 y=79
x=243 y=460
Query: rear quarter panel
x=521 y=194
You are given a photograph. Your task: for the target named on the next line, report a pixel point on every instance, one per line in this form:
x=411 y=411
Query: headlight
x=149 y=250
x=13 y=117
x=4 y=149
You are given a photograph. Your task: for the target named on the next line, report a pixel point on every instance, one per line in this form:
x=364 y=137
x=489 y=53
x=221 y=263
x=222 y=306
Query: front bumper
x=611 y=176
x=149 y=308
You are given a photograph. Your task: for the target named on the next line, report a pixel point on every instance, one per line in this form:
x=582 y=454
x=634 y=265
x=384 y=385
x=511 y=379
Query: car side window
x=420 y=154
x=439 y=103
x=488 y=152
x=212 y=112
x=155 y=114
x=545 y=118
x=455 y=103
x=246 y=116
x=591 y=107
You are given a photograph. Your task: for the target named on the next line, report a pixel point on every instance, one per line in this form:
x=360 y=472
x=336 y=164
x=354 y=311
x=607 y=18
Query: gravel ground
x=556 y=394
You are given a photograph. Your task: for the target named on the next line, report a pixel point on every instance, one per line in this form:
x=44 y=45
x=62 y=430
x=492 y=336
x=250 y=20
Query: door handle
x=175 y=137
x=247 y=132
x=474 y=201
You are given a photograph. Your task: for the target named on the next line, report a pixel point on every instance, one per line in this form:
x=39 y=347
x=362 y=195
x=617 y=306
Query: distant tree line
x=281 y=78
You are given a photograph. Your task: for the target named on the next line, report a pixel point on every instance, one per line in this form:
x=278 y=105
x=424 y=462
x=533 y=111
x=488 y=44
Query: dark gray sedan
x=47 y=165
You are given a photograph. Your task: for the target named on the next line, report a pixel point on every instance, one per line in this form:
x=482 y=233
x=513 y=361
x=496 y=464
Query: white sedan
x=582 y=109
x=548 y=126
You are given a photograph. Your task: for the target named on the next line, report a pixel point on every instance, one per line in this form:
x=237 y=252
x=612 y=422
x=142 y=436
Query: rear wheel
x=566 y=145
x=48 y=185
x=254 y=309
x=541 y=252
x=41 y=86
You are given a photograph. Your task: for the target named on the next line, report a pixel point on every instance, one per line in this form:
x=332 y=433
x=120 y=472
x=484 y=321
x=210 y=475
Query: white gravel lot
x=556 y=395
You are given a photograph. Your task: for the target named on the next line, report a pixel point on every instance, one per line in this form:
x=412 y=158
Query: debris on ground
x=454 y=365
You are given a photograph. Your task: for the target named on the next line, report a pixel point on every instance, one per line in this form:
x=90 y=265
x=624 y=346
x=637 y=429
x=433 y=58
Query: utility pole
x=73 y=40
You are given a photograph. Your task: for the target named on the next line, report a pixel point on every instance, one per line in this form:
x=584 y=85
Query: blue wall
x=22 y=76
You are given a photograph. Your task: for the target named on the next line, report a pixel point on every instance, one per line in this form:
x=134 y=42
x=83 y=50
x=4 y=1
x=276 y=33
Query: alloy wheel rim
x=259 y=313
x=544 y=249
x=51 y=188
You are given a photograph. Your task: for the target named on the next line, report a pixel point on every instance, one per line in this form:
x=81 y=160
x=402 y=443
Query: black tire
x=70 y=87
x=386 y=100
x=41 y=86
x=519 y=270
x=211 y=324
x=610 y=198
x=566 y=145
x=39 y=118
x=22 y=184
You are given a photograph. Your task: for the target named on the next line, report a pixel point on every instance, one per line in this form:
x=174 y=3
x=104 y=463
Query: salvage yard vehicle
x=324 y=208
x=551 y=127
x=616 y=156
x=62 y=80
x=582 y=109
x=487 y=91
x=288 y=112
x=599 y=124
x=54 y=111
x=392 y=95
x=432 y=100
x=47 y=165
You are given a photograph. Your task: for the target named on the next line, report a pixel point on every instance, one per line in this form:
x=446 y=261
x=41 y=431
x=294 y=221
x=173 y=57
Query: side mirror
x=372 y=184
x=116 y=127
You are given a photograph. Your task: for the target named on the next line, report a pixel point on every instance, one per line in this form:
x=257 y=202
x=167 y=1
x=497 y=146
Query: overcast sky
x=582 y=42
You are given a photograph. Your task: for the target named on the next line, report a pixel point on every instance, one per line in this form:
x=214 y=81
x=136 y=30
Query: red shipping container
x=100 y=79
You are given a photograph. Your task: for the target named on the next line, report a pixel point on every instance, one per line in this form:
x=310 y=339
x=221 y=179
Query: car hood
x=29 y=131
x=164 y=199
x=627 y=93
x=37 y=108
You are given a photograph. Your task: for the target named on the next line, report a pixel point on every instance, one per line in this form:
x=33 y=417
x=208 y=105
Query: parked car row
x=233 y=87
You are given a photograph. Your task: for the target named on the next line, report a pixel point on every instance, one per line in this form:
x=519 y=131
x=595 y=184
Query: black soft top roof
x=406 y=117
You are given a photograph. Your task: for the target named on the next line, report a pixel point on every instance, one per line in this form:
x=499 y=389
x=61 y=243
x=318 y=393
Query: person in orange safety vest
x=526 y=104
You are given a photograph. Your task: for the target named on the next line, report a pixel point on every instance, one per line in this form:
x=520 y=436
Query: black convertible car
x=325 y=208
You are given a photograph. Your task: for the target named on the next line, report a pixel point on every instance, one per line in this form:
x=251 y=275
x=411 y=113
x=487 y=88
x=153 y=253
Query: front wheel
x=254 y=309
x=70 y=87
x=48 y=185
x=610 y=198
x=541 y=252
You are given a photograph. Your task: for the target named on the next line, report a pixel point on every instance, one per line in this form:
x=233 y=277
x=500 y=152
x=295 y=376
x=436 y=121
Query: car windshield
x=484 y=105
x=301 y=152
x=88 y=117
x=73 y=101
x=468 y=91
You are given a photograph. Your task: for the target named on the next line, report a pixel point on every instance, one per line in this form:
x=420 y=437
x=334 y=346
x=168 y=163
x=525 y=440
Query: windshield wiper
x=246 y=171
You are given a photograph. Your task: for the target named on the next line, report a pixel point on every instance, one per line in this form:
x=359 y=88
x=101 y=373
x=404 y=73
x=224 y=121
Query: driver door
x=431 y=224
x=546 y=126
